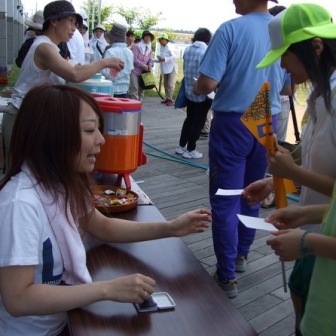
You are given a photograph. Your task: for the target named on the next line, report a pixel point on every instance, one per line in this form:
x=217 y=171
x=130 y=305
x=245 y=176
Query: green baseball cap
x=138 y=34
x=299 y=22
x=163 y=36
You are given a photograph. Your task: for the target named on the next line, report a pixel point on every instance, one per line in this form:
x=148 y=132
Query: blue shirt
x=120 y=82
x=231 y=59
x=192 y=58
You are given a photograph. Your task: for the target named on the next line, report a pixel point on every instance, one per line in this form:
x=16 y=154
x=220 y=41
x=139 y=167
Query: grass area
x=159 y=82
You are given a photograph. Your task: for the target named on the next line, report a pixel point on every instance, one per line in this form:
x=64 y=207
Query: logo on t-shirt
x=48 y=265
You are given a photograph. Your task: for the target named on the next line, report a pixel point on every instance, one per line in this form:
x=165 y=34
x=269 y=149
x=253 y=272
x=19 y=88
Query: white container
x=96 y=84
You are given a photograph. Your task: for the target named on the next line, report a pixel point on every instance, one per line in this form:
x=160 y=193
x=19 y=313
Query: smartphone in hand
x=158 y=301
x=146 y=306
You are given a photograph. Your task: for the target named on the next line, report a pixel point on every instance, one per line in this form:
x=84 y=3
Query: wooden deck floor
x=177 y=187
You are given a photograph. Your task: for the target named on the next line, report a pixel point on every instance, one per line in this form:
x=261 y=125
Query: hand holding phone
x=158 y=301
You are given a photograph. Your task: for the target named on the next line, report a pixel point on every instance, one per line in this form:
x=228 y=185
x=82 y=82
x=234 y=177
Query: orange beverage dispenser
x=123 y=132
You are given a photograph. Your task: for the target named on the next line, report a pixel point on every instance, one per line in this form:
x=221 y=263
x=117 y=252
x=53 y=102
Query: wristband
x=304 y=249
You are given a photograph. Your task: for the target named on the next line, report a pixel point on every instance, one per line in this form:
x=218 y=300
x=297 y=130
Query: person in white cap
x=98 y=42
x=83 y=29
x=36 y=25
x=34 y=29
x=85 y=22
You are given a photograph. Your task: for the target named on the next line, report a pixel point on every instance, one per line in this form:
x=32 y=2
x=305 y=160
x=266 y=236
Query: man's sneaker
x=229 y=286
x=180 y=150
x=192 y=155
x=241 y=263
x=164 y=101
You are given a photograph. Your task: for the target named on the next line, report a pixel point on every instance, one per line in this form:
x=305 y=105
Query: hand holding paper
x=229 y=192
x=256 y=223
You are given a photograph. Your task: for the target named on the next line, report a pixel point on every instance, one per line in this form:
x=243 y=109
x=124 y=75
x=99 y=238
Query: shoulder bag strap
x=98 y=48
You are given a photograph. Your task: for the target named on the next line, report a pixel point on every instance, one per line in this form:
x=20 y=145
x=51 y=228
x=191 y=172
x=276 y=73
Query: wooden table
x=202 y=308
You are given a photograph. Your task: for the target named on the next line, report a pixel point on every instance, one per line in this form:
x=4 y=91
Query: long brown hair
x=47 y=137
x=319 y=68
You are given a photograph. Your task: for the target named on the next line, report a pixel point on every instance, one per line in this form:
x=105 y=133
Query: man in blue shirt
x=236 y=158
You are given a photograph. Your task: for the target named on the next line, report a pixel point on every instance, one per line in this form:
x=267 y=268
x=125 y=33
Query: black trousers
x=194 y=122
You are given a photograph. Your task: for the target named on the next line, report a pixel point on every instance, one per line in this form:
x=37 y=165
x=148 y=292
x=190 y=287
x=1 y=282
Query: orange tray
x=103 y=201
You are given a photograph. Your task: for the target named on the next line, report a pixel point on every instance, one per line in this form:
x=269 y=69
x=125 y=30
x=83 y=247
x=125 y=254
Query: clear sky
x=183 y=14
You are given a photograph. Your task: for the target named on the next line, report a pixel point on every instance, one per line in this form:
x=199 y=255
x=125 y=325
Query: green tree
x=105 y=13
x=130 y=15
x=137 y=17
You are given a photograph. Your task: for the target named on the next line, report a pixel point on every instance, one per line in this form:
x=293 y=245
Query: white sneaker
x=192 y=155
x=180 y=150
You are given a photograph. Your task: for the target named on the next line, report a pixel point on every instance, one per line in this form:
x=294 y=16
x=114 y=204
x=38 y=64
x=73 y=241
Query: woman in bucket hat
x=143 y=62
x=120 y=80
x=44 y=64
x=304 y=37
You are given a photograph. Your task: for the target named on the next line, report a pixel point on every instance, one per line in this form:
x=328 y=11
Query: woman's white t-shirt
x=27 y=239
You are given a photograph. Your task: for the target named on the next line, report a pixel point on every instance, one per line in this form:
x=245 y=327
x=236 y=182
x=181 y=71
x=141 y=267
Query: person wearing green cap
x=169 y=68
x=236 y=158
x=137 y=36
x=304 y=37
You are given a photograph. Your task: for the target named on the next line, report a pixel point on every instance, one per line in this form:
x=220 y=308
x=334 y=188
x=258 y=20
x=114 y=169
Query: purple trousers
x=236 y=159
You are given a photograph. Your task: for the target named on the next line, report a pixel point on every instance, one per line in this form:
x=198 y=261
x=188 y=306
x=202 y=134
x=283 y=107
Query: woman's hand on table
x=191 y=222
x=133 y=288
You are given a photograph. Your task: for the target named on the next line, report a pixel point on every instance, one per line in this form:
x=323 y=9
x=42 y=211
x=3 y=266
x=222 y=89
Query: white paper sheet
x=229 y=192
x=256 y=223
